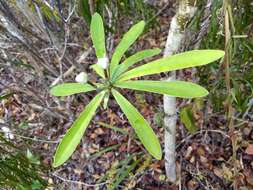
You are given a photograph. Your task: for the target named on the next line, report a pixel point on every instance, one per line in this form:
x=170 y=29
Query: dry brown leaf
x=99 y=131
x=218 y=172
x=249 y=177
x=249 y=149
x=188 y=152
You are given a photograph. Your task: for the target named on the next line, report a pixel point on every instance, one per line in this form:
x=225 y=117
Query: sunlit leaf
x=179 y=61
x=67 y=89
x=139 y=56
x=128 y=39
x=140 y=125
x=74 y=135
x=98 y=35
x=99 y=70
x=172 y=88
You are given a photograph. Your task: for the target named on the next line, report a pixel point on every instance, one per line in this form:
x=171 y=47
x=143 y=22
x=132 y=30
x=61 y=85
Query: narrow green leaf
x=99 y=70
x=74 y=135
x=140 y=125
x=117 y=129
x=118 y=169
x=98 y=35
x=67 y=89
x=124 y=172
x=139 y=56
x=101 y=152
x=106 y=99
x=186 y=117
x=84 y=10
x=172 y=88
x=128 y=39
x=6 y=95
x=179 y=61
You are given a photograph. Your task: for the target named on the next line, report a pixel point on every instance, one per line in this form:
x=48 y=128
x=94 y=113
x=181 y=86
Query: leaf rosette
x=117 y=75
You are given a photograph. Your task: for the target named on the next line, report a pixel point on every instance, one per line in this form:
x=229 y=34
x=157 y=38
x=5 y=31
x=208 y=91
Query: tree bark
x=185 y=11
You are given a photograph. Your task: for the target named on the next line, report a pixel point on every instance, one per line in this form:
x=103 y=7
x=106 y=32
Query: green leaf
x=117 y=129
x=186 y=117
x=6 y=95
x=128 y=39
x=139 y=56
x=123 y=173
x=140 y=125
x=98 y=35
x=101 y=152
x=99 y=70
x=106 y=99
x=85 y=10
x=74 y=135
x=67 y=89
x=179 y=61
x=49 y=13
x=172 y=88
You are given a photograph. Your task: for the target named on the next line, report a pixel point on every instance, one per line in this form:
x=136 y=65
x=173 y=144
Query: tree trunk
x=185 y=11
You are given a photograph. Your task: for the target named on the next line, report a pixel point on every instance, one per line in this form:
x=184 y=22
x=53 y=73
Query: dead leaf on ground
x=249 y=149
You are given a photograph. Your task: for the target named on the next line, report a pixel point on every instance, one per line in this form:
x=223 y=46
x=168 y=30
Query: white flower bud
x=81 y=77
x=103 y=62
x=7 y=133
x=5 y=129
x=10 y=136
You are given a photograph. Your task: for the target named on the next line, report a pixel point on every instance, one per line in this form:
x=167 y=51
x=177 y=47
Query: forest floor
x=110 y=152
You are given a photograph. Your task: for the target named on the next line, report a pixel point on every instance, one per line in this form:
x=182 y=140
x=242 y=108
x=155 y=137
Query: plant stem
x=186 y=10
x=91 y=4
x=227 y=61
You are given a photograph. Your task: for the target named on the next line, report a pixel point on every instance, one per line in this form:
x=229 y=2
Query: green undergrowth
x=19 y=169
x=241 y=55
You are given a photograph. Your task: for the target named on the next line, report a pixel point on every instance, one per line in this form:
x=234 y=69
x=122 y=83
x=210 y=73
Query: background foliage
x=19 y=169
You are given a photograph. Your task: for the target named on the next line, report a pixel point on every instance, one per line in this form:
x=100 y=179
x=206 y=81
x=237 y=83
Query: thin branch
x=30 y=138
x=203 y=131
x=72 y=68
x=78 y=182
x=71 y=12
